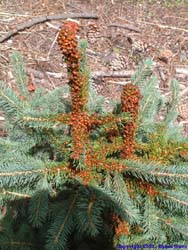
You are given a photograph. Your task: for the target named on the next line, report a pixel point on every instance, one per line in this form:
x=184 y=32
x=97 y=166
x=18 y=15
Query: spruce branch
x=176 y=225
x=9 y=101
x=62 y=226
x=174 y=201
x=150 y=222
x=155 y=173
x=20 y=74
x=65 y=220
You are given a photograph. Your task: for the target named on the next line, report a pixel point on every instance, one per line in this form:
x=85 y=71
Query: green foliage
x=44 y=206
x=19 y=73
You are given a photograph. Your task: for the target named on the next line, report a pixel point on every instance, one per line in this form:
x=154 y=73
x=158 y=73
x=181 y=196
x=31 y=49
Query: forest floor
x=125 y=33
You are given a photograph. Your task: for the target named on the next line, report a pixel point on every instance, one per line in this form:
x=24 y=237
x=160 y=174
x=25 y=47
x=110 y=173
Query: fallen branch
x=126 y=26
x=43 y=19
x=101 y=74
x=95 y=74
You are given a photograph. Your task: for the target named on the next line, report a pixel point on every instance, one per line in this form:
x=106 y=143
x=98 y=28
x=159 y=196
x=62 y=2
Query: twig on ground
x=13 y=14
x=161 y=74
x=120 y=83
x=96 y=74
x=184 y=92
x=7 y=20
x=5 y=58
x=52 y=45
x=177 y=17
x=183 y=122
x=115 y=74
x=50 y=25
x=182 y=70
x=126 y=26
x=43 y=19
x=164 y=26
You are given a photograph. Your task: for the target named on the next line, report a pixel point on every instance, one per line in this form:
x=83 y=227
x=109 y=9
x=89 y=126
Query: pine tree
x=74 y=176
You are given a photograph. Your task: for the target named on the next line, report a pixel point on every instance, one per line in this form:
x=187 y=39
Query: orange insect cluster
x=82 y=123
x=122 y=228
x=69 y=46
x=79 y=119
x=130 y=103
x=80 y=133
x=149 y=189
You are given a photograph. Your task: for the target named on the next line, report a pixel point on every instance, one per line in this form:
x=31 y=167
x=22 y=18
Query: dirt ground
x=125 y=33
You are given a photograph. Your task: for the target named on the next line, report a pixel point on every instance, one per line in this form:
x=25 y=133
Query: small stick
x=52 y=45
x=43 y=19
x=120 y=83
x=115 y=74
x=164 y=26
x=127 y=26
x=184 y=92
